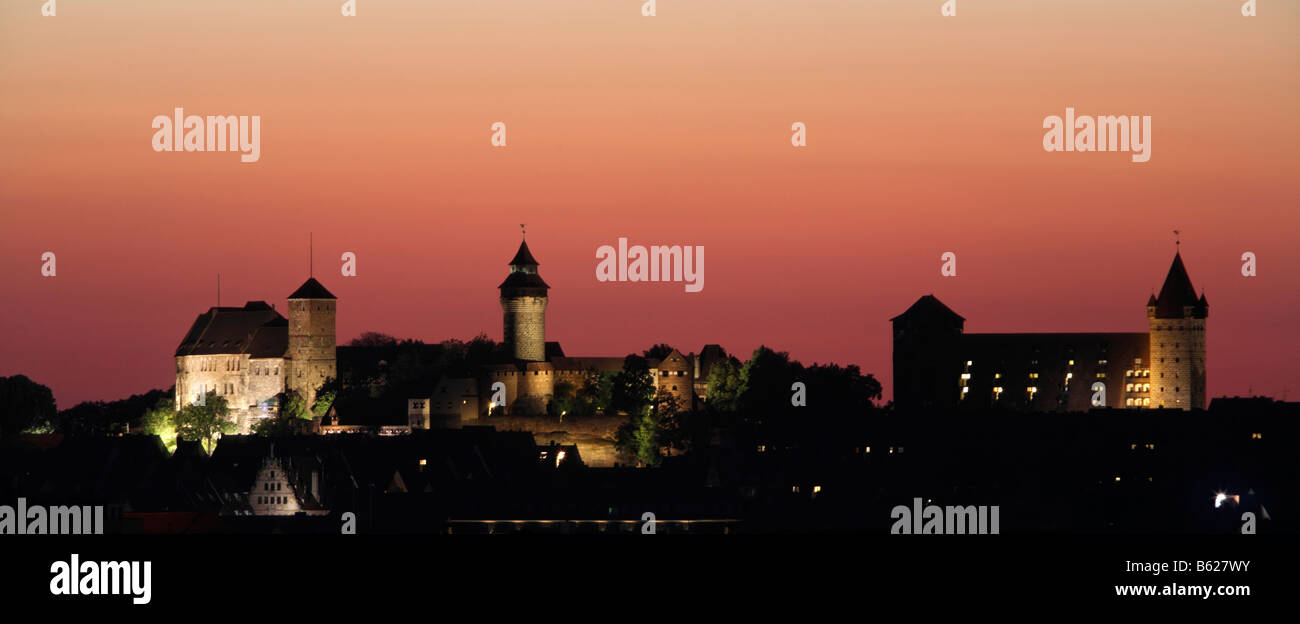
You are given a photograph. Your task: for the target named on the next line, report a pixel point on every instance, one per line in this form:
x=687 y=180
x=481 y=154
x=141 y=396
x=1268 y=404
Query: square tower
x=311 y=357
x=1177 y=320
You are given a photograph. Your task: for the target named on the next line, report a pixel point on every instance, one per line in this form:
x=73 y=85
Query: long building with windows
x=937 y=364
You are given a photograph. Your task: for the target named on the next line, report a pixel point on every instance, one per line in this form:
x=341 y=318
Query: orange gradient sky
x=924 y=136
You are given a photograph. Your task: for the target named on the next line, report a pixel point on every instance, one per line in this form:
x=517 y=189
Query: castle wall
x=593 y=435
x=243 y=382
x=536 y=387
x=505 y=374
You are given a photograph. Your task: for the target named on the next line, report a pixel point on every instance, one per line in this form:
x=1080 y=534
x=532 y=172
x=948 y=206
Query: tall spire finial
x=523 y=232
x=1177 y=240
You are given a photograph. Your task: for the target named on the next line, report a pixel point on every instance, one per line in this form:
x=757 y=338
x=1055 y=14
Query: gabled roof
x=928 y=307
x=1177 y=292
x=312 y=289
x=255 y=329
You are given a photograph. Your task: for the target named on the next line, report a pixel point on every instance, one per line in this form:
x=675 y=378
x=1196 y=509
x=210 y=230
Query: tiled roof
x=255 y=329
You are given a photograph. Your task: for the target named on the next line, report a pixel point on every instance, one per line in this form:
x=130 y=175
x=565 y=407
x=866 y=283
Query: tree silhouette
x=25 y=406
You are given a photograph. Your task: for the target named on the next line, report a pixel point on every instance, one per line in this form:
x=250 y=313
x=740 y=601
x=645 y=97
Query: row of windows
x=1132 y=402
x=272 y=500
x=210 y=364
x=225 y=388
x=267 y=486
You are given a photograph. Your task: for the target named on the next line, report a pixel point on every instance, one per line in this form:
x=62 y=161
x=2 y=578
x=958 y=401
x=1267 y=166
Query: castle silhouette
x=937 y=365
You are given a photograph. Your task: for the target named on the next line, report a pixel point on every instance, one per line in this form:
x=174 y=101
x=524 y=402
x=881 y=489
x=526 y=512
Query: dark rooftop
x=255 y=329
x=312 y=289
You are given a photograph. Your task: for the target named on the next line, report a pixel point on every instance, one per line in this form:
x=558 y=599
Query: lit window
x=1256 y=436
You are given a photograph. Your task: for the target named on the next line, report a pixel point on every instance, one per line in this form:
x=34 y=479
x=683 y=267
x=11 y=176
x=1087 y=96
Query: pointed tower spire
x=1177 y=291
x=523 y=304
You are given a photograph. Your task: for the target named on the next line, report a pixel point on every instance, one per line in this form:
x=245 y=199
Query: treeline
x=28 y=407
x=378 y=365
x=769 y=390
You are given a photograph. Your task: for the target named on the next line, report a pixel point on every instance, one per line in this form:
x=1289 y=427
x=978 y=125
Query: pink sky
x=924 y=136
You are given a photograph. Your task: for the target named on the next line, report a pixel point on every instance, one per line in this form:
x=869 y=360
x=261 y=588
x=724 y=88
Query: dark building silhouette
x=936 y=364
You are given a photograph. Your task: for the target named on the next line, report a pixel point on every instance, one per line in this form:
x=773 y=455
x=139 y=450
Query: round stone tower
x=523 y=306
x=1177 y=318
x=311 y=354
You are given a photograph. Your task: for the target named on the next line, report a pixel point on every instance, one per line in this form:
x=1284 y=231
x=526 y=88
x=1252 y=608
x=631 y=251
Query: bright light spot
x=1218 y=499
x=559 y=457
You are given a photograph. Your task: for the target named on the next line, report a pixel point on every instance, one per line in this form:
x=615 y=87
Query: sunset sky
x=924 y=136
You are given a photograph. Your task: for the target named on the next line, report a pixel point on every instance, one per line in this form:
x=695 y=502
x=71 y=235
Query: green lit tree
x=205 y=422
x=160 y=420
